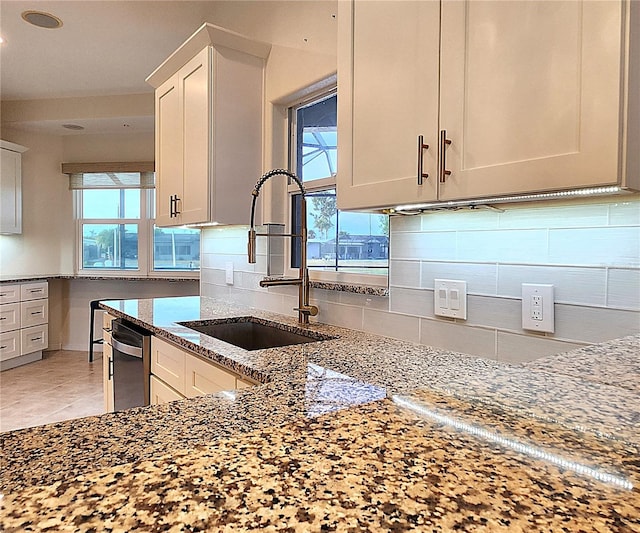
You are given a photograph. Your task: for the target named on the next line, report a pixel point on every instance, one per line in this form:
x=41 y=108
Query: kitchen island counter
x=355 y=432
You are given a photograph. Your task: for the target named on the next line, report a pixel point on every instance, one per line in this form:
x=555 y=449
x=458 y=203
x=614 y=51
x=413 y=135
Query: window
x=116 y=231
x=337 y=241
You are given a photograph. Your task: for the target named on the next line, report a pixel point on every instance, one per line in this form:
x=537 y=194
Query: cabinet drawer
x=33 y=339
x=203 y=377
x=9 y=317
x=168 y=363
x=9 y=345
x=34 y=291
x=242 y=384
x=161 y=392
x=34 y=313
x=9 y=294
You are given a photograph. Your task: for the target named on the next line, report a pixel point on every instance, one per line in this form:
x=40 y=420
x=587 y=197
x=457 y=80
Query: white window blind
x=110 y=175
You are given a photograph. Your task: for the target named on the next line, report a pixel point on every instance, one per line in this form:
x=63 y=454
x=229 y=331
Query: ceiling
x=110 y=47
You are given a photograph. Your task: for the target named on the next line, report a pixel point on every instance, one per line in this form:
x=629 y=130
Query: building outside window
x=337 y=241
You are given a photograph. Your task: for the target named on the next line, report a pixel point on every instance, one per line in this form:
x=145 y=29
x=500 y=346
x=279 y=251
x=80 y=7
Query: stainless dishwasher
x=130 y=365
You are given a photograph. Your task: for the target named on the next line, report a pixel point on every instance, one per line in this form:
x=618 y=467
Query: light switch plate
x=538 y=307
x=450 y=298
x=228 y=272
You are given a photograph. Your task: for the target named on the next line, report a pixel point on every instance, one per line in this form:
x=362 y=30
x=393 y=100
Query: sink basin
x=251 y=333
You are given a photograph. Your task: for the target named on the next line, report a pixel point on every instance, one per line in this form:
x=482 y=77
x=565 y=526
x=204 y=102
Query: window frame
x=145 y=224
x=317 y=185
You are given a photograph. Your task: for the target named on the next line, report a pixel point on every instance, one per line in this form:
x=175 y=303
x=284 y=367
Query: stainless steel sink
x=253 y=333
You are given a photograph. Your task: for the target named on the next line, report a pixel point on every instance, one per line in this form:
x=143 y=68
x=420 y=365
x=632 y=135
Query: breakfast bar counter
x=355 y=433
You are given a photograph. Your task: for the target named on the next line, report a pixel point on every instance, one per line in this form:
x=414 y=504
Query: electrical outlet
x=538 y=307
x=450 y=298
x=228 y=272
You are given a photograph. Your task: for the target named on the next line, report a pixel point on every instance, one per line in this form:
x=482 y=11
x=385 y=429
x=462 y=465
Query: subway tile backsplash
x=589 y=250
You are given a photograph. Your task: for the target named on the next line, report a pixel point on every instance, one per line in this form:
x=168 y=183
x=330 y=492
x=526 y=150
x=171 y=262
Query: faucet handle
x=311 y=310
x=251 y=246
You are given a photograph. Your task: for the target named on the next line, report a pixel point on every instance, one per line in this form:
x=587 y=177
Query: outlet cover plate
x=228 y=272
x=450 y=298
x=538 y=307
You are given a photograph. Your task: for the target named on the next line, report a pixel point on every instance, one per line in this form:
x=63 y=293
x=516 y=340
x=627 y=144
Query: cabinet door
x=168 y=363
x=530 y=95
x=161 y=392
x=33 y=339
x=10 y=191
x=9 y=317
x=9 y=345
x=34 y=291
x=34 y=313
x=107 y=372
x=203 y=377
x=9 y=294
x=169 y=155
x=195 y=99
x=388 y=65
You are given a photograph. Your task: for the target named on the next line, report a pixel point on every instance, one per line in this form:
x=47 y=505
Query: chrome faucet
x=302 y=281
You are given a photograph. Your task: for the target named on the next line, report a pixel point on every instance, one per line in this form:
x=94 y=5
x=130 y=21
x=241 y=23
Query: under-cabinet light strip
x=524 y=448
x=501 y=199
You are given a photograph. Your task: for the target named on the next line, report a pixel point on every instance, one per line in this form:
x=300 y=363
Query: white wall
x=69 y=312
x=46 y=243
x=589 y=250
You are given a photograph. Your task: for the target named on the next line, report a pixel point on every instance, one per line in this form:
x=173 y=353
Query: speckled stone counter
x=357 y=433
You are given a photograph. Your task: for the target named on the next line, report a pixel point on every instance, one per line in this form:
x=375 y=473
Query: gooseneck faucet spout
x=304 y=308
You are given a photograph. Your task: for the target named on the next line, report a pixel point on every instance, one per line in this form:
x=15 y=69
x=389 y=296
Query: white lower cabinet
x=24 y=313
x=9 y=345
x=9 y=317
x=206 y=378
x=107 y=363
x=33 y=339
x=177 y=374
x=161 y=392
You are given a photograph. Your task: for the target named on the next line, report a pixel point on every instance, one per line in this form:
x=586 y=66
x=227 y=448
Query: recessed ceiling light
x=42 y=19
x=76 y=127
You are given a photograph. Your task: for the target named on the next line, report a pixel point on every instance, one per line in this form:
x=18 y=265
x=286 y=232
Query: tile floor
x=63 y=385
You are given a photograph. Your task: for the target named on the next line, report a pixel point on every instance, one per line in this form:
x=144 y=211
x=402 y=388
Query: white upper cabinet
x=11 y=187
x=209 y=112
x=388 y=61
x=510 y=97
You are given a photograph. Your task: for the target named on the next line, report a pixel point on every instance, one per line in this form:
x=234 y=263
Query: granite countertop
x=357 y=433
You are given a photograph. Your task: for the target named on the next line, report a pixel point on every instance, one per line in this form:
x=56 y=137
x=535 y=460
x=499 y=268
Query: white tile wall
x=589 y=250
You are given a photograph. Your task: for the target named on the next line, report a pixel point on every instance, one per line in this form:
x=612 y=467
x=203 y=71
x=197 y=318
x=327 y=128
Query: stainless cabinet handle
x=421 y=148
x=110 y=368
x=3 y=347
x=35 y=290
x=35 y=339
x=3 y=318
x=36 y=312
x=444 y=142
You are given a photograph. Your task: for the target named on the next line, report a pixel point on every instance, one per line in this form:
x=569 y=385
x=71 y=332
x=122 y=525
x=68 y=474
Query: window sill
x=370 y=290
x=135 y=277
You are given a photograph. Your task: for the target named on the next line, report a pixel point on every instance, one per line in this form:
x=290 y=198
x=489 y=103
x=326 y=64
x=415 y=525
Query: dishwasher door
x=131 y=365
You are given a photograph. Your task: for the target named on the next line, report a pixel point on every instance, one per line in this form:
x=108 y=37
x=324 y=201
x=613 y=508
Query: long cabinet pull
x=421 y=148
x=110 y=368
x=444 y=142
x=173 y=206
